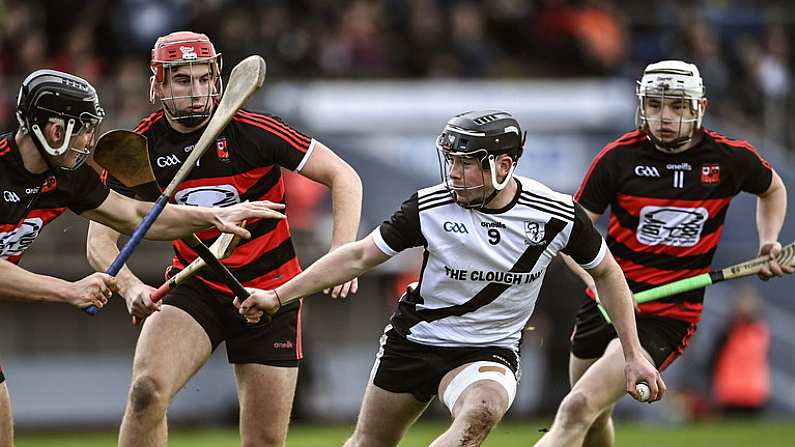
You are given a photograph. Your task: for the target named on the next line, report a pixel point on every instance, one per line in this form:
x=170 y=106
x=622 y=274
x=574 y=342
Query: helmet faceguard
x=190 y=49
x=479 y=138
x=661 y=83
x=52 y=96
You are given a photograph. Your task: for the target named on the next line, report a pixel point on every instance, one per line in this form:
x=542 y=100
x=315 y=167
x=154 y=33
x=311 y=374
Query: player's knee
x=146 y=394
x=482 y=415
x=577 y=408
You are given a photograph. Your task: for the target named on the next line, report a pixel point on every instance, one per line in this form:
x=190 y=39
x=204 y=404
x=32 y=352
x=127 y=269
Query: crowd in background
x=743 y=49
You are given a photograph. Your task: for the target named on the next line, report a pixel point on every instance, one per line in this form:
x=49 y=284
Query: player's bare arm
x=325 y=167
x=178 y=221
x=20 y=284
x=337 y=267
x=101 y=251
x=617 y=298
x=771 y=211
x=579 y=271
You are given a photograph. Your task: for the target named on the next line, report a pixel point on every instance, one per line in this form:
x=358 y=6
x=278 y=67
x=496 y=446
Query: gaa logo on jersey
x=455 y=227
x=534 y=232
x=222 y=150
x=11 y=197
x=710 y=173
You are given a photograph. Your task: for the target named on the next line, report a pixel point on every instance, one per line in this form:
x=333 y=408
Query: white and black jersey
x=482 y=269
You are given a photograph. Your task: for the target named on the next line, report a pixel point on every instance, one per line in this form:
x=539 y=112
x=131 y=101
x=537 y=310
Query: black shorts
x=663 y=338
x=402 y=366
x=275 y=343
x=2 y=377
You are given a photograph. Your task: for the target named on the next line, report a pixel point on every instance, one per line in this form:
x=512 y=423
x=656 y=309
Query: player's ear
x=505 y=164
x=54 y=132
x=703 y=103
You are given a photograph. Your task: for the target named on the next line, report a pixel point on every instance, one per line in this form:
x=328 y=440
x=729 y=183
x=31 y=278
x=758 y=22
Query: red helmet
x=183 y=48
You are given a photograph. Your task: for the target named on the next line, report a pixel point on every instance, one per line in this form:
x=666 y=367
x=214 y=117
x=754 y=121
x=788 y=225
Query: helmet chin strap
x=477 y=206
x=82 y=156
x=673 y=147
x=46 y=146
x=47 y=152
x=497 y=185
x=191 y=120
x=488 y=199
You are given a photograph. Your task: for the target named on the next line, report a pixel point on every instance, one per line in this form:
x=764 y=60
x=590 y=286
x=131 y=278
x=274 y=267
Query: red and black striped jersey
x=243 y=164
x=31 y=201
x=667 y=210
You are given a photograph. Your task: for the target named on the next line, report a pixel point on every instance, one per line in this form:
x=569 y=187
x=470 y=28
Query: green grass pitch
x=716 y=433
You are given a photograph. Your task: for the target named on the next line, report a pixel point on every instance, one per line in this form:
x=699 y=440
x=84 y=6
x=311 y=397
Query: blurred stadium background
x=376 y=81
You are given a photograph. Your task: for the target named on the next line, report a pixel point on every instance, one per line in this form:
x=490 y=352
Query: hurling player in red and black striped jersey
x=42 y=173
x=196 y=317
x=668 y=186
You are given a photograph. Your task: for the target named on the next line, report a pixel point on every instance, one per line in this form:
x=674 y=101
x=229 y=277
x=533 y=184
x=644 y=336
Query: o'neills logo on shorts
x=288 y=344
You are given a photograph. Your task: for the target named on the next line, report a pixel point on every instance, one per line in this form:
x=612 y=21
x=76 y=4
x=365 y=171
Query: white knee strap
x=476 y=372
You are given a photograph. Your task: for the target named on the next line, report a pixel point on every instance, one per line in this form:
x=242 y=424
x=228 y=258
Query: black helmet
x=483 y=136
x=47 y=94
x=482 y=133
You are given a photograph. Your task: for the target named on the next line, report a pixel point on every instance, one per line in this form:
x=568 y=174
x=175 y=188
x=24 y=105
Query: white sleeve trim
x=307 y=155
x=599 y=257
x=381 y=243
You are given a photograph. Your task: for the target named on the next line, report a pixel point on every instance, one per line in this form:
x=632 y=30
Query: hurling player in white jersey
x=488 y=237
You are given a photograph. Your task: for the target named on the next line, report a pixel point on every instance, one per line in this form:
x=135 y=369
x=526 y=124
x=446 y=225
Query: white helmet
x=671 y=79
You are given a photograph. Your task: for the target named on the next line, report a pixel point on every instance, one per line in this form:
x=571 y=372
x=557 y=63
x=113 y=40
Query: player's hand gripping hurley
x=246 y=78
x=786 y=257
x=221 y=249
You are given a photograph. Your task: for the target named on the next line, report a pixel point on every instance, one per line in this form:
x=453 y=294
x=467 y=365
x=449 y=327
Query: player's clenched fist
x=773 y=249
x=639 y=370
x=139 y=302
x=227 y=220
x=258 y=302
x=94 y=289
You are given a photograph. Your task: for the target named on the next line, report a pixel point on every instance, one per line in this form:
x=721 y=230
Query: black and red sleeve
x=276 y=141
x=598 y=188
x=755 y=172
x=84 y=189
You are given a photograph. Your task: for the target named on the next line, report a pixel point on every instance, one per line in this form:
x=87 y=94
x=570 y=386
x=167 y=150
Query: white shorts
x=476 y=372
